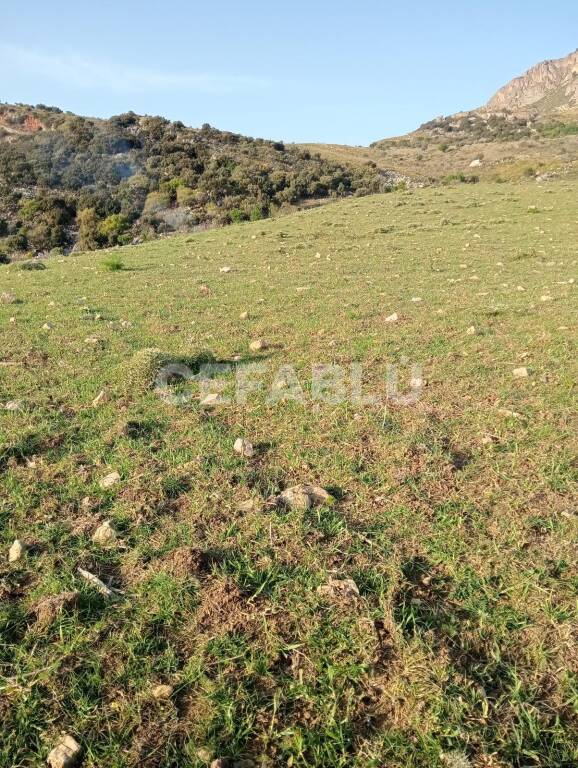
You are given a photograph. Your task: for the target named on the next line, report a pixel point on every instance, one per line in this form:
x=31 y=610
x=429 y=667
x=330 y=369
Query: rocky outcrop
x=551 y=86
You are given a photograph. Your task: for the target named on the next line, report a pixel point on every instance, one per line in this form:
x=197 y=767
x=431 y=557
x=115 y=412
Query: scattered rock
x=243 y=316
x=7 y=297
x=107 y=482
x=521 y=373
x=65 y=754
x=302 y=497
x=258 y=345
x=101 y=398
x=210 y=400
x=104 y=534
x=339 y=589
x=162 y=692
x=392 y=318
x=244 y=448
x=13 y=405
x=16 y=551
x=510 y=414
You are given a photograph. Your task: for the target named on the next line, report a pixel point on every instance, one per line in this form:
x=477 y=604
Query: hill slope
x=528 y=129
x=551 y=86
x=453 y=515
x=66 y=179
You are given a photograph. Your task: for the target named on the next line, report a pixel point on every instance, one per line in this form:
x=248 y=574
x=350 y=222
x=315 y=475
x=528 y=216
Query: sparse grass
x=456 y=520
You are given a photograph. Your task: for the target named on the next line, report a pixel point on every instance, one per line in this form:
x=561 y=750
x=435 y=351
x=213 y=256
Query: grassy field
x=455 y=515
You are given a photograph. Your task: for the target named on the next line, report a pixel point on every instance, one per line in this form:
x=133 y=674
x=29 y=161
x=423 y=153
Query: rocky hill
x=547 y=88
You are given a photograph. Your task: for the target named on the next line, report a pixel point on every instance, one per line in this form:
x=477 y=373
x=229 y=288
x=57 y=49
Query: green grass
x=456 y=520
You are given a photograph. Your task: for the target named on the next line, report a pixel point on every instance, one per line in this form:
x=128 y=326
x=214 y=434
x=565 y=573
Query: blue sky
x=343 y=72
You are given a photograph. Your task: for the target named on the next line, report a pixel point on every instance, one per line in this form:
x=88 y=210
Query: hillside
x=529 y=129
x=549 y=87
x=67 y=180
x=420 y=612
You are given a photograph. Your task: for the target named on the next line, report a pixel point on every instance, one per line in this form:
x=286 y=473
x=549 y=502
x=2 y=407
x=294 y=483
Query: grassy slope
x=501 y=160
x=456 y=521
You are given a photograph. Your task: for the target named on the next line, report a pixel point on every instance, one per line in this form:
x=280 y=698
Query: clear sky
x=343 y=72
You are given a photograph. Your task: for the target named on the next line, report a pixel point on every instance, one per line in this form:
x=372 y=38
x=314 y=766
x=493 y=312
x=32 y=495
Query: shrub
x=31 y=266
x=113 y=263
x=237 y=215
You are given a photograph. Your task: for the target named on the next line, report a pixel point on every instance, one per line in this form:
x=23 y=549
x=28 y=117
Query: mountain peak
x=546 y=88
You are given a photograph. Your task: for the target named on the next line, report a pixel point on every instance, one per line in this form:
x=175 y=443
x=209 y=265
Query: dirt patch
x=47 y=609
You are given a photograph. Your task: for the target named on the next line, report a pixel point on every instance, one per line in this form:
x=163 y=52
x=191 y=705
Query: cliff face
x=551 y=86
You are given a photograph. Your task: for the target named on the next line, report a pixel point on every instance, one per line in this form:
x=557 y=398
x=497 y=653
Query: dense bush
x=103 y=182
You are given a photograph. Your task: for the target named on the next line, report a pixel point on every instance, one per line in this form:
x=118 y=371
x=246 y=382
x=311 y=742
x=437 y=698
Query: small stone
x=211 y=400
x=545 y=298
x=417 y=299
x=47 y=327
x=258 y=345
x=508 y=413
x=7 y=297
x=244 y=448
x=246 y=506
x=102 y=397
x=225 y=270
x=302 y=497
x=13 y=405
x=65 y=754
x=521 y=373
x=339 y=589
x=110 y=480
x=243 y=315
x=92 y=340
x=16 y=551
x=392 y=318
x=471 y=331
x=162 y=692
x=104 y=534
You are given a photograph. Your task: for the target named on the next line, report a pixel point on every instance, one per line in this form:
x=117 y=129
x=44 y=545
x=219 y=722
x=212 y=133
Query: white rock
x=545 y=298
x=521 y=373
x=65 y=754
x=244 y=448
x=47 y=327
x=471 y=331
x=102 y=397
x=99 y=585
x=302 y=497
x=224 y=270
x=340 y=589
x=416 y=299
x=392 y=318
x=210 y=400
x=243 y=315
x=104 y=534
x=16 y=551
x=258 y=345
x=162 y=692
x=110 y=480
x=476 y=163
x=13 y=405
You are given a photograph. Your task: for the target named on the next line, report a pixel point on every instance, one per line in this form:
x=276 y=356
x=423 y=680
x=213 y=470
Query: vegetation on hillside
x=66 y=179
